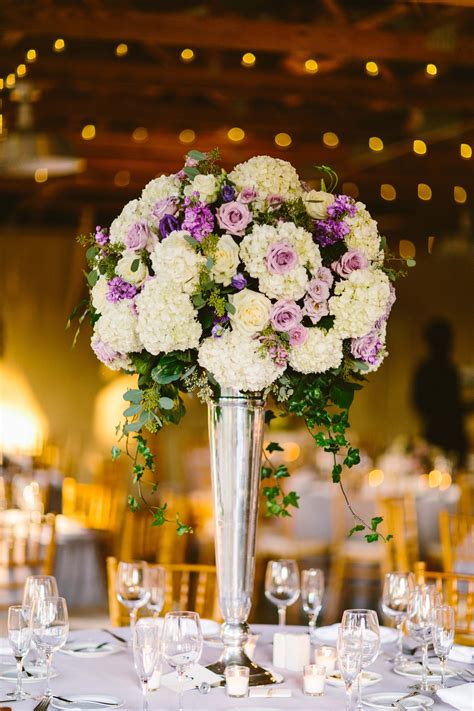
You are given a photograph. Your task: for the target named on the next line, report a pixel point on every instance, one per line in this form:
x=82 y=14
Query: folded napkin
x=460 y=653
x=460 y=697
x=195 y=675
x=263 y=692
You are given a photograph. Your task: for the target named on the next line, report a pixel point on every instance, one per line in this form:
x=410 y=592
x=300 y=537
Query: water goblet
x=50 y=628
x=181 y=644
x=157 y=587
x=421 y=604
x=146 y=653
x=362 y=624
x=19 y=636
x=131 y=587
x=282 y=585
x=442 y=634
x=349 y=660
x=397 y=589
x=312 y=590
x=39 y=586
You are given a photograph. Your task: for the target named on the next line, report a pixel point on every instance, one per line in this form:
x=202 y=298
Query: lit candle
x=237 y=680
x=313 y=680
x=326 y=658
x=250 y=645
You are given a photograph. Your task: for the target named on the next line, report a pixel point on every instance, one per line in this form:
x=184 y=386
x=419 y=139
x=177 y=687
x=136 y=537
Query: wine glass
x=312 y=590
x=39 y=586
x=349 y=659
x=131 y=587
x=421 y=604
x=282 y=585
x=362 y=625
x=442 y=633
x=50 y=628
x=181 y=644
x=146 y=653
x=157 y=586
x=397 y=589
x=19 y=636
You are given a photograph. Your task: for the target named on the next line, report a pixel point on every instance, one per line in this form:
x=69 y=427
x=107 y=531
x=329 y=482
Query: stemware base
x=258 y=676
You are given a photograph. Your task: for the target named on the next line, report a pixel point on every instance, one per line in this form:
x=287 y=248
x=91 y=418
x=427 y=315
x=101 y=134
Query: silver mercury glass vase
x=236 y=423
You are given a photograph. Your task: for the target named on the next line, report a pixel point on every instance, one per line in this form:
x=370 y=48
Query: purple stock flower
x=298 y=335
x=101 y=236
x=120 y=289
x=281 y=258
x=198 y=218
x=137 y=236
x=239 y=282
x=367 y=348
x=168 y=224
x=343 y=205
x=278 y=354
x=286 y=314
x=247 y=195
x=327 y=232
x=318 y=290
x=228 y=193
x=349 y=262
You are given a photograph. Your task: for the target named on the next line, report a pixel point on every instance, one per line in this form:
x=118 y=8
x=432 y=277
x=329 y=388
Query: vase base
x=258 y=676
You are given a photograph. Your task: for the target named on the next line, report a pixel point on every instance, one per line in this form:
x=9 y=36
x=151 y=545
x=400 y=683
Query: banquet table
x=115 y=674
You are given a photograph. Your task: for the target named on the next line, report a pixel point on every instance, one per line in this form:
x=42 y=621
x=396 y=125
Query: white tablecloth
x=115 y=675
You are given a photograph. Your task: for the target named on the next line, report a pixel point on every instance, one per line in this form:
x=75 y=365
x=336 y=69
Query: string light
x=431 y=70
x=248 y=59
x=59 y=45
x=351 y=189
x=419 y=147
x=375 y=144
x=122 y=178
x=88 y=132
x=187 y=136
x=460 y=195
x=1 y=124
x=140 y=134
x=41 y=175
x=31 y=56
x=236 y=134
x=10 y=81
x=187 y=55
x=407 y=249
x=434 y=478
x=1 y=84
x=311 y=66
x=21 y=70
x=465 y=150
x=424 y=191
x=121 y=49
x=388 y=192
x=330 y=139
x=283 y=140
x=372 y=69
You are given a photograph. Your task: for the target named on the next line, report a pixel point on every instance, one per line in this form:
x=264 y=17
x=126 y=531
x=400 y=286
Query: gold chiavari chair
x=96 y=506
x=400 y=520
x=139 y=540
x=465 y=481
x=188 y=587
x=457 y=590
x=27 y=547
x=457 y=542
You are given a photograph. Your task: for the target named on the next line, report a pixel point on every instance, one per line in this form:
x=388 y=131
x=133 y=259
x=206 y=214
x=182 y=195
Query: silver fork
x=43 y=704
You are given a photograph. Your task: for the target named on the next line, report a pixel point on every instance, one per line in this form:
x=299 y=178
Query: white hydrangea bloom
x=291 y=284
x=359 y=301
x=117 y=327
x=176 y=263
x=124 y=268
x=99 y=294
x=236 y=362
x=269 y=176
x=131 y=213
x=364 y=235
x=207 y=186
x=226 y=260
x=167 y=320
x=321 y=351
x=157 y=189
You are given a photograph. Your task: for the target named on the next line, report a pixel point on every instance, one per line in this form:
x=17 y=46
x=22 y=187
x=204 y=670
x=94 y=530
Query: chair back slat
x=457 y=541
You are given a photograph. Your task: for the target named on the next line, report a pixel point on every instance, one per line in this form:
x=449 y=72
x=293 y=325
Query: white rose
x=99 y=294
x=316 y=203
x=124 y=269
x=226 y=260
x=206 y=185
x=252 y=311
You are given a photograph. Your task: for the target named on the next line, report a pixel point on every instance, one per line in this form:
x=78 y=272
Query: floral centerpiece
x=247 y=280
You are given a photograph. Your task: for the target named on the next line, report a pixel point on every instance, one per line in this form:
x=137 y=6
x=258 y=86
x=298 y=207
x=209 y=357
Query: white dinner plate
x=88 y=650
x=368 y=678
x=85 y=702
x=39 y=674
x=328 y=634
x=386 y=699
x=414 y=670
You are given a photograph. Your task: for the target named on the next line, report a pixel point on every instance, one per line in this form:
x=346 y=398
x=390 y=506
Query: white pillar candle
x=237 y=680
x=298 y=652
x=313 y=680
x=325 y=657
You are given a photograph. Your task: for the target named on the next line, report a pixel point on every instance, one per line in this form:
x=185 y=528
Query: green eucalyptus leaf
x=166 y=403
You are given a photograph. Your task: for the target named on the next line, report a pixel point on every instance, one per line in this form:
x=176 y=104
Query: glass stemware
x=157 y=586
x=397 y=589
x=422 y=602
x=146 y=653
x=50 y=628
x=39 y=586
x=181 y=644
x=312 y=590
x=349 y=659
x=362 y=627
x=442 y=633
x=19 y=636
x=131 y=587
x=282 y=585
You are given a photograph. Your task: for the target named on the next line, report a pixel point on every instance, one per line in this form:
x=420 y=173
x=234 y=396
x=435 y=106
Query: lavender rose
x=298 y=335
x=349 y=262
x=238 y=281
x=324 y=274
x=286 y=314
x=247 y=195
x=228 y=193
x=234 y=217
x=167 y=206
x=137 y=236
x=315 y=310
x=367 y=348
x=281 y=258
x=318 y=290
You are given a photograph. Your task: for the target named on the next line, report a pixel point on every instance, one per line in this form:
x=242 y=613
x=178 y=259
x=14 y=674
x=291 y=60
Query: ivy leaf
x=354 y=529
x=182 y=528
x=138 y=471
x=274 y=447
x=166 y=403
x=291 y=499
x=374 y=522
x=269 y=416
x=281 y=472
x=116 y=452
x=265 y=473
x=133 y=503
x=372 y=537
x=336 y=473
x=159 y=516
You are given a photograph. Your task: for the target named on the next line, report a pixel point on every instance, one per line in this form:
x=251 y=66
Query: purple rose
x=167 y=206
x=137 y=236
x=239 y=282
x=343 y=205
x=315 y=310
x=328 y=232
x=298 y=335
x=324 y=274
x=286 y=314
x=101 y=236
x=281 y=258
x=103 y=351
x=318 y=290
x=120 y=289
x=247 y=195
x=274 y=201
x=367 y=348
x=233 y=217
x=228 y=193
x=168 y=224
x=349 y=262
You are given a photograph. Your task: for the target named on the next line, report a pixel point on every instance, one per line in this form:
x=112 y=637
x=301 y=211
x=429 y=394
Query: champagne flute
x=19 y=636
x=442 y=633
x=397 y=589
x=181 y=644
x=312 y=590
x=362 y=625
x=39 y=586
x=421 y=604
x=349 y=659
x=282 y=585
x=146 y=653
x=131 y=587
x=157 y=586
x=50 y=627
